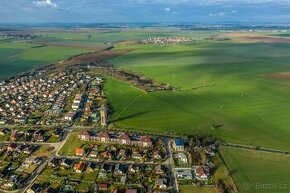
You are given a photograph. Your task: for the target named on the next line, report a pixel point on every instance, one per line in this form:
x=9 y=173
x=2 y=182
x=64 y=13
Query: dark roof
x=179 y=142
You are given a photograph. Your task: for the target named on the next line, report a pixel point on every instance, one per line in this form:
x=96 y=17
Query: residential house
x=54 y=162
x=104 y=137
x=79 y=151
x=11 y=147
x=178 y=144
x=120 y=169
x=162 y=183
x=67 y=163
x=145 y=141
x=35 y=188
x=79 y=167
x=200 y=173
x=131 y=190
x=84 y=135
x=124 y=139
x=103 y=186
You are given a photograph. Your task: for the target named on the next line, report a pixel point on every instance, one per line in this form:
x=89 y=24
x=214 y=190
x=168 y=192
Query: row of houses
x=121 y=173
x=118 y=138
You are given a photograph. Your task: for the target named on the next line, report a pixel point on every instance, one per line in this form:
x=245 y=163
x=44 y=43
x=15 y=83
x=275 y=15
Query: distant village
x=166 y=40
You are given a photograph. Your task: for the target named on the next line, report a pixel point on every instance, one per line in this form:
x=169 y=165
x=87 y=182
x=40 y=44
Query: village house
x=103 y=186
x=118 y=138
x=79 y=167
x=124 y=139
x=178 y=144
x=131 y=191
x=84 y=135
x=35 y=188
x=11 y=147
x=79 y=151
x=145 y=141
x=200 y=173
x=162 y=183
x=67 y=163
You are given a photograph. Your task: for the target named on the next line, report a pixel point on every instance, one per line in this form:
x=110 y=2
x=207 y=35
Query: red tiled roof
x=199 y=171
x=103 y=186
x=104 y=135
x=79 y=166
x=124 y=136
x=131 y=191
x=84 y=132
x=145 y=139
x=79 y=151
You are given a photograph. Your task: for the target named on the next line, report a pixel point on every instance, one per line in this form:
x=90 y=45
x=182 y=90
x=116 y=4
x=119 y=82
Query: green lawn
x=256 y=172
x=252 y=110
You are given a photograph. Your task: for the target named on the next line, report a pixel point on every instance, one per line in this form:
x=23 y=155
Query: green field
x=256 y=172
x=195 y=189
x=219 y=85
x=18 y=57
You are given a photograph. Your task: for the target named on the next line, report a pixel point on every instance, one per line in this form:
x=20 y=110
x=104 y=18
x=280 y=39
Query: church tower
x=104 y=115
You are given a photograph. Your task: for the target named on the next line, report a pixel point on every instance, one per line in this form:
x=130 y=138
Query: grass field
x=256 y=172
x=195 y=189
x=251 y=109
x=18 y=57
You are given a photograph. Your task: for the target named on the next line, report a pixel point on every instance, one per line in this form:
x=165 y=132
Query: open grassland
x=196 y=189
x=219 y=85
x=256 y=172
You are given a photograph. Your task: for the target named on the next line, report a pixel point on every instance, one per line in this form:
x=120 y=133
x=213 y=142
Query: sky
x=113 y=11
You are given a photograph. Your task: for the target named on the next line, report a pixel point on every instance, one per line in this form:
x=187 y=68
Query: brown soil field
x=256 y=38
x=281 y=75
x=93 y=57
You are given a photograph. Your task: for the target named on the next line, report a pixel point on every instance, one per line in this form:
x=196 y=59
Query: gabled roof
x=124 y=136
x=79 y=166
x=145 y=139
x=84 y=132
x=104 y=135
x=199 y=171
x=131 y=191
x=79 y=151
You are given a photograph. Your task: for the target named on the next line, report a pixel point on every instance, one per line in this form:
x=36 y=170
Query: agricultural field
x=256 y=172
x=19 y=56
x=222 y=91
x=52 y=46
x=190 y=189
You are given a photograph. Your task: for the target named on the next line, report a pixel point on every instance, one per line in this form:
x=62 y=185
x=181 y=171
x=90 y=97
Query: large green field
x=219 y=85
x=17 y=57
x=52 y=45
x=256 y=172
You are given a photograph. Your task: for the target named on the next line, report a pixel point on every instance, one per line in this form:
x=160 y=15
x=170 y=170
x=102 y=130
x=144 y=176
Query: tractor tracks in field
x=255 y=148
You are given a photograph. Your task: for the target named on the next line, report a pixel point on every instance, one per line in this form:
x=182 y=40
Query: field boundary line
x=228 y=171
x=255 y=148
x=126 y=107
